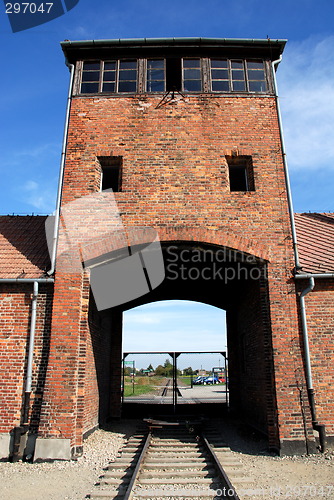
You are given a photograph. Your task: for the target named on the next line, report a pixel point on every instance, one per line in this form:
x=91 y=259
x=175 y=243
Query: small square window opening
x=111 y=173
x=241 y=174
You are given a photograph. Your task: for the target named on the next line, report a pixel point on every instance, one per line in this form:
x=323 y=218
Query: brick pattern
x=175 y=178
x=15 y=310
x=319 y=306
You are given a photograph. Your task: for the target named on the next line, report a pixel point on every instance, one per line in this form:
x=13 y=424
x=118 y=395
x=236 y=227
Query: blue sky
x=34 y=85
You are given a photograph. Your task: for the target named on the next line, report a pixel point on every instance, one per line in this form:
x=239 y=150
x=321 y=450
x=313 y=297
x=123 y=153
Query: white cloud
x=306 y=88
x=40 y=196
x=174 y=326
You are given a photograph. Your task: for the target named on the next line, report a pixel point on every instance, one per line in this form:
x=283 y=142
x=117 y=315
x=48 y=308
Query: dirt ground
x=273 y=477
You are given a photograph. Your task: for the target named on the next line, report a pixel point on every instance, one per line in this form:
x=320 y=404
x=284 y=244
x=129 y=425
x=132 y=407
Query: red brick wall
x=175 y=178
x=15 y=312
x=319 y=306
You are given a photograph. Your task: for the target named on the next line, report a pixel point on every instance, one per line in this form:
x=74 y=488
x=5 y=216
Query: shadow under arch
x=229 y=278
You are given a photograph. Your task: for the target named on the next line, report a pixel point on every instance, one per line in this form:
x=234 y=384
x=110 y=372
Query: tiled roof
x=315 y=236
x=23 y=248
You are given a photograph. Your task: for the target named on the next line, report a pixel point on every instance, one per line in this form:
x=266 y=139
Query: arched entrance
x=265 y=369
x=233 y=281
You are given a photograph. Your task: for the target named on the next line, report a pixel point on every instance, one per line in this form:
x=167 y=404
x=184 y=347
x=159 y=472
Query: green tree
x=168 y=368
x=160 y=371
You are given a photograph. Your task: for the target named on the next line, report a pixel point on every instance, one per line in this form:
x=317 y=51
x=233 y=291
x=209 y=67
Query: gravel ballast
x=273 y=477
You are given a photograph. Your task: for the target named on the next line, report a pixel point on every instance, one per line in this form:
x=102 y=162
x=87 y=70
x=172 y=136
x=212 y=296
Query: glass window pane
x=191 y=63
x=127 y=86
x=128 y=65
x=255 y=74
x=254 y=64
x=192 y=74
x=91 y=65
x=90 y=76
x=218 y=63
x=156 y=86
x=193 y=85
x=220 y=86
x=238 y=75
x=109 y=76
x=128 y=75
x=108 y=87
x=110 y=65
x=219 y=74
x=89 y=88
x=155 y=63
x=155 y=74
x=258 y=86
x=239 y=85
x=237 y=64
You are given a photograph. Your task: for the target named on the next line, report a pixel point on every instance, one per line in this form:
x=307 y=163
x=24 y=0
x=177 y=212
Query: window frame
x=183 y=79
x=102 y=63
x=146 y=79
x=246 y=79
x=205 y=72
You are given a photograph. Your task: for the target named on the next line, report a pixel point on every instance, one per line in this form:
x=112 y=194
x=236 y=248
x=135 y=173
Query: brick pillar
x=116 y=363
x=58 y=425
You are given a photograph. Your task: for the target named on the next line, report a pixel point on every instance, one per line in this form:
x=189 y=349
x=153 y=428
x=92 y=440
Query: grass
x=142 y=385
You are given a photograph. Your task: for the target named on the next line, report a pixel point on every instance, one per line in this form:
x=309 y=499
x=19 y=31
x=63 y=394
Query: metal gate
x=162 y=378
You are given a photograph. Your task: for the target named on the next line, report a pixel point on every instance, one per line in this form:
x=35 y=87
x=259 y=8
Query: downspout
x=61 y=173
x=286 y=171
x=308 y=371
x=24 y=424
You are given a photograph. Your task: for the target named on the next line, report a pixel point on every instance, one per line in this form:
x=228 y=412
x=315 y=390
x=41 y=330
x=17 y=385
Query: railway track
x=170 y=460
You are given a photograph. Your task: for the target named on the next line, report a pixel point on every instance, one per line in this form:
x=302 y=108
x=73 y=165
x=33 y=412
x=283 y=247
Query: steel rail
x=166 y=388
x=219 y=468
x=129 y=491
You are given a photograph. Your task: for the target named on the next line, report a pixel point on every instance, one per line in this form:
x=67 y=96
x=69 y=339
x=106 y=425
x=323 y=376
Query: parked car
x=198 y=380
x=211 y=380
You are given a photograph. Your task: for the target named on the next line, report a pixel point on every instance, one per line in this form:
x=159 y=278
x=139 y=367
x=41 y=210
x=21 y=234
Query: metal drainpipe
x=310 y=390
x=308 y=370
x=23 y=427
x=24 y=424
x=286 y=171
x=61 y=173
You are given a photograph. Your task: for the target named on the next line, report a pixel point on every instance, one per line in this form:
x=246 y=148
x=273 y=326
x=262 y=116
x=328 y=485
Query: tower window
x=192 y=75
x=109 y=76
x=111 y=178
x=155 y=79
x=187 y=74
x=90 y=77
x=241 y=174
x=127 y=76
x=238 y=75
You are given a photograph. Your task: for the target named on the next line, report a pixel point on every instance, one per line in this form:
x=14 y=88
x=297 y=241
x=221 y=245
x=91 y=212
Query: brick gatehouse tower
x=187 y=134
